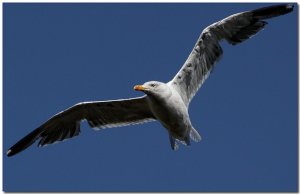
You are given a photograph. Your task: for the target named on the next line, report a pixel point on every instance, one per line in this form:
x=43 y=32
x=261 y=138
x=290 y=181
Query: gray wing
x=207 y=50
x=99 y=114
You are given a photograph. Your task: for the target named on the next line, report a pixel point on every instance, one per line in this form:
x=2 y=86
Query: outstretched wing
x=99 y=114
x=207 y=51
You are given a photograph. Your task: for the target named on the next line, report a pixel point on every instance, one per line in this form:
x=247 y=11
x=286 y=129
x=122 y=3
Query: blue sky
x=56 y=55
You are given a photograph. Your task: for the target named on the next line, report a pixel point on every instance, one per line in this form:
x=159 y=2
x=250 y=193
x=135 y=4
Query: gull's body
x=167 y=103
x=170 y=109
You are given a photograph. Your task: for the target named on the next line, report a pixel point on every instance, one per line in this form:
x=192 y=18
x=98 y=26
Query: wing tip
x=290 y=6
x=9 y=153
x=273 y=11
x=24 y=143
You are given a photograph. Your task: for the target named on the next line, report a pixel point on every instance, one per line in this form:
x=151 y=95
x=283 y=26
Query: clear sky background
x=56 y=55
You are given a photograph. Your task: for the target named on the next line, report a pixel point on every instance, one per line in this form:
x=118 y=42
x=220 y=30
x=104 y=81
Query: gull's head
x=154 y=88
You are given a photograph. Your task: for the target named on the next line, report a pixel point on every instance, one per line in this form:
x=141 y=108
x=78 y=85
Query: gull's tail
x=194 y=135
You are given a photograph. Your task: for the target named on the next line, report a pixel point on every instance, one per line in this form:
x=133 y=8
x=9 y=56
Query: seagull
x=168 y=102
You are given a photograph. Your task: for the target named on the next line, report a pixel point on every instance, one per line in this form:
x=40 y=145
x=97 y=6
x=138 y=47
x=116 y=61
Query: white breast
x=171 y=112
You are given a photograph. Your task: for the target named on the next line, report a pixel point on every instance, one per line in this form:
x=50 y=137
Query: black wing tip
x=10 y=153
x=13 y=151
x=24 y=143
x=289 y=7
x=273 y=11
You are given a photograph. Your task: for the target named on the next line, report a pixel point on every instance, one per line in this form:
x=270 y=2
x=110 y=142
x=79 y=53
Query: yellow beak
x=139 y=88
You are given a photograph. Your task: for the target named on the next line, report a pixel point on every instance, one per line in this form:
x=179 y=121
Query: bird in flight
x=167 y=103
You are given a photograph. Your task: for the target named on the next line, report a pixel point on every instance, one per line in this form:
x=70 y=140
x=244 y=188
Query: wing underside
x=207 y=50
x=99 y=115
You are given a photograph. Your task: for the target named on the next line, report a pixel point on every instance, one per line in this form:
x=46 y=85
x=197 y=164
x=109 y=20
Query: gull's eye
x=153 y=85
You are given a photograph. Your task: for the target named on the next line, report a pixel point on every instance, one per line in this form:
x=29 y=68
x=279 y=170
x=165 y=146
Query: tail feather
x=194 y=135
